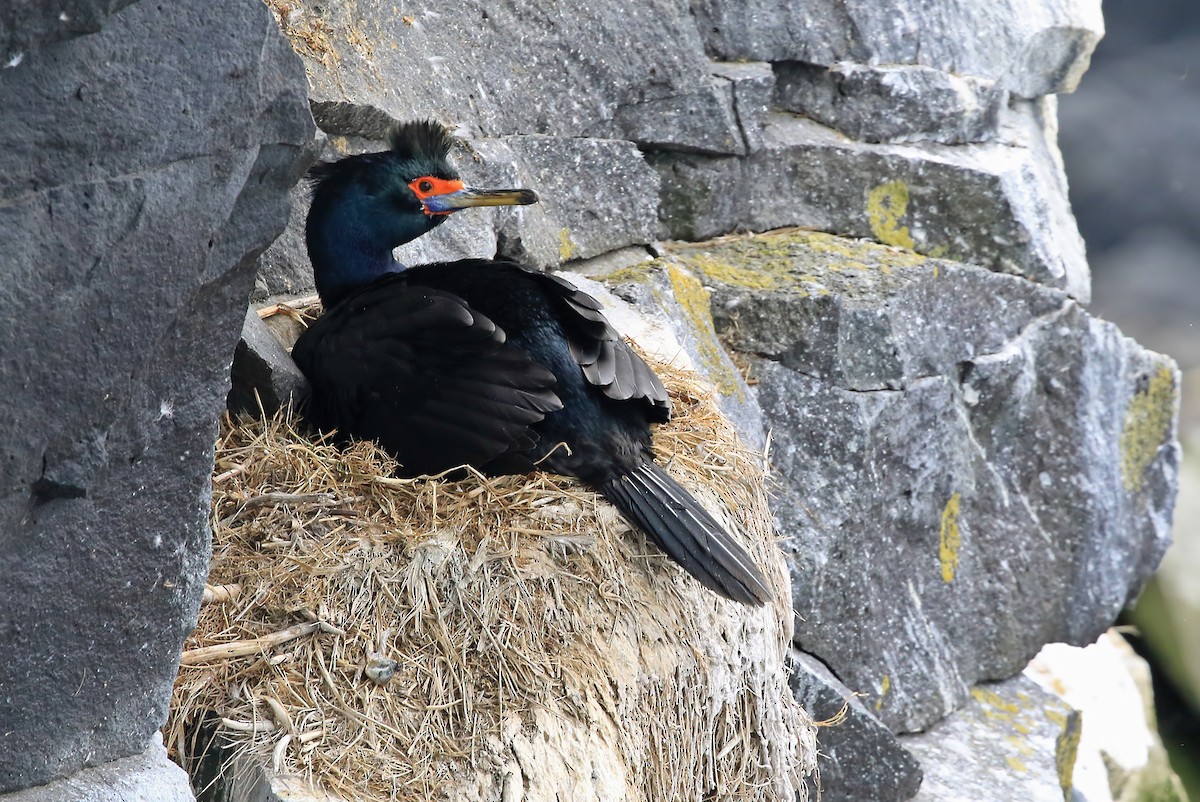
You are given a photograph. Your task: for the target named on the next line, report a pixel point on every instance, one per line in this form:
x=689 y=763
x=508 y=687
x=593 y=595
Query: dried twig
x=221 y=594
x=243 y=648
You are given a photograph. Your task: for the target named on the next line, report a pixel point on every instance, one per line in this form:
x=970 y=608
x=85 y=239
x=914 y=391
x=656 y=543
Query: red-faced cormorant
x=484 y=362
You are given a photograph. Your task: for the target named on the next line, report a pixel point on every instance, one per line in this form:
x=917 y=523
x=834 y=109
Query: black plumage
x=484 y=362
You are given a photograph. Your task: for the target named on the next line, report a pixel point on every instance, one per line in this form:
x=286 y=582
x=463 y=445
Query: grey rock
x=606 y=264
x=1013 y=740
x=600 y=195
x=634 y=70
x=753 y=85
x=1028 y=47
x=993 y=204
x=891 y=103
x=133 y=203
x=965 y=457
x=859 y=760
x=263 y=375
x=27 y=24
x=703 y=121
x=148 y=776
x=283 y=268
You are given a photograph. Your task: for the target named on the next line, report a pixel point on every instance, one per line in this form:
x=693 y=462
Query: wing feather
x=430 y=379
x=606 y=359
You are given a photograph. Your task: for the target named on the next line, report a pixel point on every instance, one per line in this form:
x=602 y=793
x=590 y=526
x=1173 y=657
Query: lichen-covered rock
x=965 y=457
x=133 y=202
x=1120 y=755
x=1001 y=205
x=1012 y=740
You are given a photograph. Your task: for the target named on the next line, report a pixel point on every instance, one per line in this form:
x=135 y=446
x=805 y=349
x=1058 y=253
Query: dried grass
x=502 y=605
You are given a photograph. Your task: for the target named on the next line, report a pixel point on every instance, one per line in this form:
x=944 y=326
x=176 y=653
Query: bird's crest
x=425 y=141
x=422 y=139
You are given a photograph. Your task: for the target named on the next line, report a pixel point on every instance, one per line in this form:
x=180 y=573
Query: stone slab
x=133 y=203
x=1029 y=47
x=1012 y=740
x=149 y=776
x=890 y=103
x=859 y=759
x=964 y=457
x=1001 y=205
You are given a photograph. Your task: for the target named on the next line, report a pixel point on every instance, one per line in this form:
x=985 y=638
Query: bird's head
x=364 y=206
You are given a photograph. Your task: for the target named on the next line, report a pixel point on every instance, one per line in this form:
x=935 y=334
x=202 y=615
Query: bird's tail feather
x=664 y=510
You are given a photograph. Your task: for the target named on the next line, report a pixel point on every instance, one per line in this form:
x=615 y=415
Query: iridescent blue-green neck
x=353 y=227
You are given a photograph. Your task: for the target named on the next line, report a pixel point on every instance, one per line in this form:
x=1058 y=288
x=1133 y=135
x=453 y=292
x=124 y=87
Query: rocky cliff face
x=969 y=464
x=141 y=179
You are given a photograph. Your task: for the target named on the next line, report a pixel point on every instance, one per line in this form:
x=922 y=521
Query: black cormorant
x=484 y=362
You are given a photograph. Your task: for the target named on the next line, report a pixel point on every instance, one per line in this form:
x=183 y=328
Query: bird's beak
x=469 y=196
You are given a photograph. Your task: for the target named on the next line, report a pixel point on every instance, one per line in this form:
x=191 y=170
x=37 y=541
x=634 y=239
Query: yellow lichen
x=995 y=707
x=566 y=248
x=694 y=301
x=885 y=685
x=886 y=205
x=632 y=274
x=1066 y=749
x=949 y=538
x=1147 y=425
x=1016 y=764
x=731 y=274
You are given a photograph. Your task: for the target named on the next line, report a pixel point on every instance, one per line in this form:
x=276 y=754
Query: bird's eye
x=426 y=185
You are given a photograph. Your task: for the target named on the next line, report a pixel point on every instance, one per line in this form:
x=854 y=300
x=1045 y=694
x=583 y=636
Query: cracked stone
x=964 y=456
x=892 y=103
x=1000 y=204
x=1012 y=740
x=1031 y=47
x=753 y=84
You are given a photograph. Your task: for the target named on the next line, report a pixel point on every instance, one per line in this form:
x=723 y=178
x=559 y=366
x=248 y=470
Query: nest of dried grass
x=500 y=606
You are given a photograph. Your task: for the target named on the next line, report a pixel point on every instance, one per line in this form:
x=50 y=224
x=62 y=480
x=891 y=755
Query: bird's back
x=384 y=360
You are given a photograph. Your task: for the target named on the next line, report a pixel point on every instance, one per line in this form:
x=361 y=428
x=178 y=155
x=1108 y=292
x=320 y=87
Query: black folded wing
x=423 y=374
x=606 y=359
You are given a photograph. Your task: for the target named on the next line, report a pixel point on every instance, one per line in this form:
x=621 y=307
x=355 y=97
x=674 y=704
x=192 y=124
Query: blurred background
x=1130 y=138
